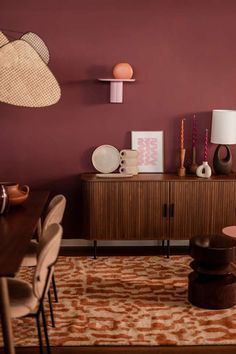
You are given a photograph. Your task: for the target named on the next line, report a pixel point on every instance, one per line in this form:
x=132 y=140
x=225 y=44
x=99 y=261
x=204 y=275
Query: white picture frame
x=150 y=147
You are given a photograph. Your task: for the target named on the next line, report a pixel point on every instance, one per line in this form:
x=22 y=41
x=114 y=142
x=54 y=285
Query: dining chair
x=54 y=214
x=26 y=300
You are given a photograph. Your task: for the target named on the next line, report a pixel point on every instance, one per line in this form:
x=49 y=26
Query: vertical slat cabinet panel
x=154 y=222
x=223 y=211
x=128 y=202
x=100 y=210
x=191 y=206
x=111 y=210
x=123 y=210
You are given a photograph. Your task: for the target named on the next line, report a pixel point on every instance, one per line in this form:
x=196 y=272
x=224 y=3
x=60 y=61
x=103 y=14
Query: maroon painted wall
x=183 y=55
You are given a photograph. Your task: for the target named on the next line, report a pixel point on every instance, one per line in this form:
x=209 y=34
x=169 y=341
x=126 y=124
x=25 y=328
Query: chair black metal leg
x=95 y=249
x=45 y=330
x=39 y=334
x=54 y=288
x=51 y=308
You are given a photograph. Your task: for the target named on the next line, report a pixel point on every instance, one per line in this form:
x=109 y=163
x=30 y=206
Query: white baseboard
x=72 y=242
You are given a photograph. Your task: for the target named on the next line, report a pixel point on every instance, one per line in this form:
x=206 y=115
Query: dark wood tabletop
x=16 y=229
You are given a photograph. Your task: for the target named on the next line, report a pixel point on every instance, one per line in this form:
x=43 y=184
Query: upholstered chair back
x=48 y=250
x=55 y=213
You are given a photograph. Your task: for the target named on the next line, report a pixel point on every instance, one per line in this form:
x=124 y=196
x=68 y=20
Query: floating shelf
x=116 y=89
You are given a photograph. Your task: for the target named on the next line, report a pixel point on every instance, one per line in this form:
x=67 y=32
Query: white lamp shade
x=223 y=127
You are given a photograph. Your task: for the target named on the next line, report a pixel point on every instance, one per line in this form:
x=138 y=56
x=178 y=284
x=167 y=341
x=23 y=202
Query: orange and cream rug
x=128 y=301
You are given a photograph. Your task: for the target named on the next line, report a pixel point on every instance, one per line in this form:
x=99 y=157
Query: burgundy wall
x=183 y=55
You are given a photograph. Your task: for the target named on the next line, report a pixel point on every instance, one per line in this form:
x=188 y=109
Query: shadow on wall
x=90 y=91
x=87 y=157
x=70 y=188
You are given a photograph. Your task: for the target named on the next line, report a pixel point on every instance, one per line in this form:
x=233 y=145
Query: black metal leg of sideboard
x=95 y=249
x=168 y=249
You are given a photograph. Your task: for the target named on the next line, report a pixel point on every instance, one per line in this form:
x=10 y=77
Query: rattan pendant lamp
x=25 y=79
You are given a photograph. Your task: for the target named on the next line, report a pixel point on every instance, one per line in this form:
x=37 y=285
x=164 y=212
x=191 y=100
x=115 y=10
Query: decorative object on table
x=128 y=153
x=204 y=170
x=106 y=158
x=122 y=71
x=223 y=132
x=149 y=145
x=129 y=162
x=4 y=199
x=38 y=44
x=129 y=170
x=17 y=194
x=182 y=169
x=193 y=167
x=25 y=79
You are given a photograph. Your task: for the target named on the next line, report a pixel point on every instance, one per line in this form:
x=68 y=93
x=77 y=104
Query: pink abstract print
x=148 y=151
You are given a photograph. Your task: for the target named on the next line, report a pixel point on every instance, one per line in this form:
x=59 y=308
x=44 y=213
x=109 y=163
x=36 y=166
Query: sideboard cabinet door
x=124 y=210
x=191 y=212
x=201 y=207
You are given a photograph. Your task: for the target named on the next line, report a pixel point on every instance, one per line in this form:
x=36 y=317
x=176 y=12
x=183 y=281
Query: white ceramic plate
x=106 y=158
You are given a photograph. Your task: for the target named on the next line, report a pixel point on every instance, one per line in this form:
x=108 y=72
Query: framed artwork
x=150 y=150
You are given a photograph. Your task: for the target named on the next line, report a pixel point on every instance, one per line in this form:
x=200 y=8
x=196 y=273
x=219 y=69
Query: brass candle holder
x=182 y=169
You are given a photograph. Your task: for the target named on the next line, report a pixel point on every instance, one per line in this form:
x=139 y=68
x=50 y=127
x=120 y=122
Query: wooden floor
x=112 y=251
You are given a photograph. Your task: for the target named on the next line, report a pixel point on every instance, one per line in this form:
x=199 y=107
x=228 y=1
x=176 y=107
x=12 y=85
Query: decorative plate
x=106 y=158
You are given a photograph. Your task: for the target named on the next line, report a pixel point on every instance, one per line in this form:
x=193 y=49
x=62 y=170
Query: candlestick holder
x=193 y=167
x=182 y=169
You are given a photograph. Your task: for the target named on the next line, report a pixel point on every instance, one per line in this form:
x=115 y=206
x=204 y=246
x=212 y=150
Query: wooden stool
x=212 y=284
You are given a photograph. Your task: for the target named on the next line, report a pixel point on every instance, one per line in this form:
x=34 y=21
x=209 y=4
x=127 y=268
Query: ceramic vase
x=204 y=170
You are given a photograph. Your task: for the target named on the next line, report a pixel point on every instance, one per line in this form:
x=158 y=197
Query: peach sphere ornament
x=122 y=71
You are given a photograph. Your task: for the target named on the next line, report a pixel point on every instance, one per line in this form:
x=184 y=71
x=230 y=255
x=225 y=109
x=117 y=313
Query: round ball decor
x=122 y=71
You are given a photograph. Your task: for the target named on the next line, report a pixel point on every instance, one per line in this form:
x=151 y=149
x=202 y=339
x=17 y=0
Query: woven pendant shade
x=38 y=44
x=3 y=39
x=25 y=80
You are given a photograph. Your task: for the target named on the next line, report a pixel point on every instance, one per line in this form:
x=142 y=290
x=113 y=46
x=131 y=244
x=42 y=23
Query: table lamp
x=223 y=132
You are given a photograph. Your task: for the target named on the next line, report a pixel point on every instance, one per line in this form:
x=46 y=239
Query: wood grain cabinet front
x=156 y=206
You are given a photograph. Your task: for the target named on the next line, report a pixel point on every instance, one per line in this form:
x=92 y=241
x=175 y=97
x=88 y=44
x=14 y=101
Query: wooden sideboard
x=156 y=206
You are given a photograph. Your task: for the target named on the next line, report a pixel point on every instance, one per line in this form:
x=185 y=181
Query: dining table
x=17 y=227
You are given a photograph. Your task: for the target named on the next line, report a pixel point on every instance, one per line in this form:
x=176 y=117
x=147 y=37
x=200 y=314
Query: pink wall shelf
x=116 y=89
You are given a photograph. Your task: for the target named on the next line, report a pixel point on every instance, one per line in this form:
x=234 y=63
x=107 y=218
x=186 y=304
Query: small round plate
x=106 y=158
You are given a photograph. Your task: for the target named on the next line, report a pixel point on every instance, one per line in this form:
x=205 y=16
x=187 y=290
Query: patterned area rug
x=128 y=301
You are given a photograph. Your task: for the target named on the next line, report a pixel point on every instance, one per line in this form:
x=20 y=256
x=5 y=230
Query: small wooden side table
x=212 y=284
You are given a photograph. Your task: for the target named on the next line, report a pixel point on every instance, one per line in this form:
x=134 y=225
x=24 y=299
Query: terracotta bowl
x=17 y=194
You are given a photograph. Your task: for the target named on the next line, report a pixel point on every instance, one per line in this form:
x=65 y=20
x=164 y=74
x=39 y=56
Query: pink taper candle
x=206 y=146
x=194 y=135
x=182 y=135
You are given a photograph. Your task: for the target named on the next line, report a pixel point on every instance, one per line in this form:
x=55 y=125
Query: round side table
x=212 y=283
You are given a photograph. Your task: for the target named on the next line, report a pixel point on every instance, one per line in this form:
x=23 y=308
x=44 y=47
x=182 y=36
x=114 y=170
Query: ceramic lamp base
x=222 y=166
